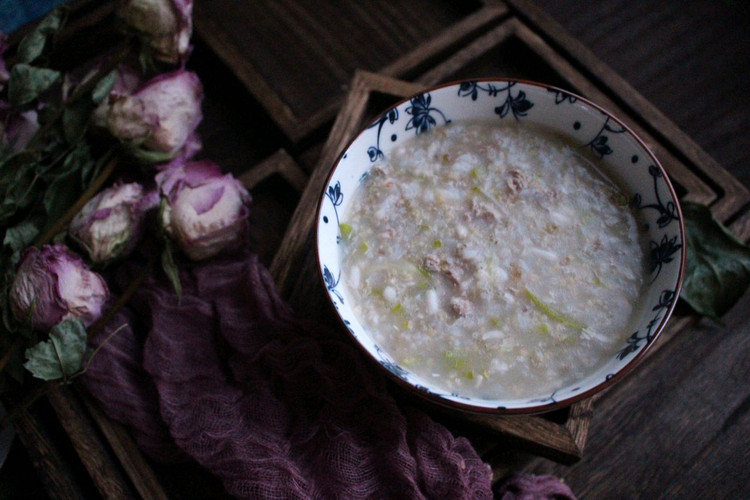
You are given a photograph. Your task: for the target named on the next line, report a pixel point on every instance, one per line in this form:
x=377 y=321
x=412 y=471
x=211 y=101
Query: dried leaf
x=75 y=119
x=17 y=180
x=28 y=82
x=20 y=236
x=59 y=357
x=718 y=264
x=103 y=87
x=32 y=46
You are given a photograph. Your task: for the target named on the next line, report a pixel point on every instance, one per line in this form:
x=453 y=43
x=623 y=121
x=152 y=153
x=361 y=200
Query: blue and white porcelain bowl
x=586 y=125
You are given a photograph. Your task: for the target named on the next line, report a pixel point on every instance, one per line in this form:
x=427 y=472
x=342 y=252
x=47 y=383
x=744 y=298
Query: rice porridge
x=493 y=260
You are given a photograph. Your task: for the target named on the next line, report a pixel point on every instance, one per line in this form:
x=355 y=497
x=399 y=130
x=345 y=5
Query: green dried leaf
x=17 y=180
x=10 y=165
x=91 y=170
x=60 y=195
x=78 y=160
x=32 y=45
x=74 y=159
x=59 y=357
x=151 y=157
x=28 y=82
x=48 y=113
x=103 y=87
x=75 y=119
x=718 y=264
x=19 y=237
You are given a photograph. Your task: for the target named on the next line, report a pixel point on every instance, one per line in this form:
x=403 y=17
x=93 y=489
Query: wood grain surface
x=280 y=48
x=691 y=59
x=680 y=428
x=677 y=429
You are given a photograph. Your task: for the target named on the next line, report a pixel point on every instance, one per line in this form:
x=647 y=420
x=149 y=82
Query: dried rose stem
x=63 y=221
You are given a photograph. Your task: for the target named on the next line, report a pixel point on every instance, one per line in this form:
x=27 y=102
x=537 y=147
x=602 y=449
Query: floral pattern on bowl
x=587 y=125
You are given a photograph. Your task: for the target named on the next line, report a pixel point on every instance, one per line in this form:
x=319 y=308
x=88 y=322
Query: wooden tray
x=294 y=268
x=379 y=36
x=278 y=133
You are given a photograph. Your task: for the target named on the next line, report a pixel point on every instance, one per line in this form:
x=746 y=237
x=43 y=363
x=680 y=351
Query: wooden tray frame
x=114 y=465
x=297 y=127
x=563 y=442
x=560 y=441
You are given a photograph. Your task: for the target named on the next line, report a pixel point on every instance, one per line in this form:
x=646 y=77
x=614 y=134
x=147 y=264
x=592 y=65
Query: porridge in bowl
x=500 y=246
x=495 y=261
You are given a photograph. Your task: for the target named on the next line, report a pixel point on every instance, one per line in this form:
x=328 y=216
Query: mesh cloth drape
x=273 y=406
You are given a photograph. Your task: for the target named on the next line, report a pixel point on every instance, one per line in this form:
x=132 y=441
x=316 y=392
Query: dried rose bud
x=126 y=82
x=110 y=224
x=165 y=25
x=161 y=116
x=53 y=284
x=205 y=211
x=16 y=129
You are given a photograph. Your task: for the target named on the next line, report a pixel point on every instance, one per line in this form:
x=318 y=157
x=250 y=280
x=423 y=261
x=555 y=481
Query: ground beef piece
x=481 y=210
x=517 y=181
x=452 y=271
x=431 y=263
x=460 y=306
x=449 y=269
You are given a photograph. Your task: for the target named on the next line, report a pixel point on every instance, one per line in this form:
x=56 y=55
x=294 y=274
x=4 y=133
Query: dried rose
x=53 y=284
x=165 y=25
x=110 y=224
x=16 y=129
x=205 y=211
x=161 y=116
x=126 y=82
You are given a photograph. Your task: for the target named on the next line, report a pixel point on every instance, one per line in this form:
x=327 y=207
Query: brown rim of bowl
x=554 y=405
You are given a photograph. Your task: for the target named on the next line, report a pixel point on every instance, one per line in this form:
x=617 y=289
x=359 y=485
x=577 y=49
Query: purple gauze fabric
x=273 y=406
x=532 y=487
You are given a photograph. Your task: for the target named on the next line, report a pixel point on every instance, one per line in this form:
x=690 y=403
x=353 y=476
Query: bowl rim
x=462 y=406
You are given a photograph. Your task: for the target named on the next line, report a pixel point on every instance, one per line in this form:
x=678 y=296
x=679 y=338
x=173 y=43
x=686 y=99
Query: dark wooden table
x=678 y=427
